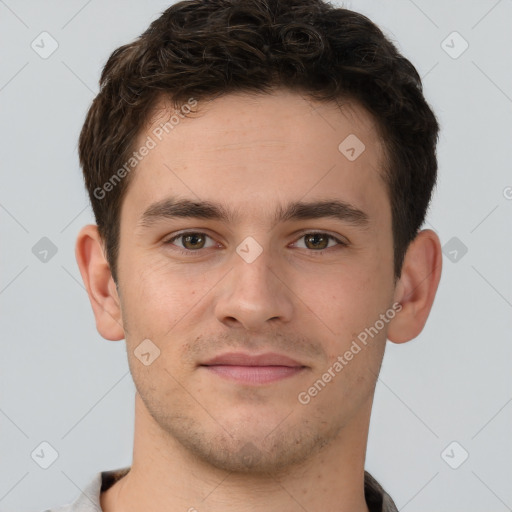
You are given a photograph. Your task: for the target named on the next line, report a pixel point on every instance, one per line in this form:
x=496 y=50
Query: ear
x=99 y=284
x=417 y=286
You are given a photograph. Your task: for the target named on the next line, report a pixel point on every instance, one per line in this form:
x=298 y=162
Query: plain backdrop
x=440 y=431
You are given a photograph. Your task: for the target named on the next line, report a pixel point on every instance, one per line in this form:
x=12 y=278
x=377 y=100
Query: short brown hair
x=209 y=48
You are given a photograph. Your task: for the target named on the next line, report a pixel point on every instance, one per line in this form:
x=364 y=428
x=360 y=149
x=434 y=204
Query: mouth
x=253 y=369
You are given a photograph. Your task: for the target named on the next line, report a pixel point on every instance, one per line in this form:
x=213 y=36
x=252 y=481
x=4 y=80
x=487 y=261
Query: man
x=259 y=171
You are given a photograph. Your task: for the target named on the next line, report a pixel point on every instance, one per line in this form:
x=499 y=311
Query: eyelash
x=189 y=252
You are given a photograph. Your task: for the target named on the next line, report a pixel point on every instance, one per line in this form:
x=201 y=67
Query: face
x=254 y=254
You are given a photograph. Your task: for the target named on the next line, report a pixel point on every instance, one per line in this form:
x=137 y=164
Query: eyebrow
x=172 y=208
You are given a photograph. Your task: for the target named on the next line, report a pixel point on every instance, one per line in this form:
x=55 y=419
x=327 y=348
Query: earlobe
x=417 y=286
x=99 y=284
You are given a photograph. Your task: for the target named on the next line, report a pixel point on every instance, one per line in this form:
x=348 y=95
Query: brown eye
x=191 y=241
x=317 y=240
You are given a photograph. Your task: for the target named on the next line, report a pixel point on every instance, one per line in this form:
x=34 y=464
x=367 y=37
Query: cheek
x=346 y=303
x=349 y=309
x=156 y=298
x=345 y=298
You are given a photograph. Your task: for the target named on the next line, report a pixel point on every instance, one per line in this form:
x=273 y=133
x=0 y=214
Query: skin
x=210 y=444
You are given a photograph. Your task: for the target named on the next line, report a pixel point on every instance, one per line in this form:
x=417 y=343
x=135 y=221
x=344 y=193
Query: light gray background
x=60 y=382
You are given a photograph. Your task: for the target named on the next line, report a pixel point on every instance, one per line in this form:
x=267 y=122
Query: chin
x=263 y=448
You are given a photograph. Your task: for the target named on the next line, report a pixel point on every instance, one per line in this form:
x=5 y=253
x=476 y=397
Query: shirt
x=89 y=501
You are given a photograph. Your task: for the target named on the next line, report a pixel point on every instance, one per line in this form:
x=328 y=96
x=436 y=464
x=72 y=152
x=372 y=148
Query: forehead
x=269 y=147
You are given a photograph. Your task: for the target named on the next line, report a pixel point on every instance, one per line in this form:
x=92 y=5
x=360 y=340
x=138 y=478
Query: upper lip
x=243 y=359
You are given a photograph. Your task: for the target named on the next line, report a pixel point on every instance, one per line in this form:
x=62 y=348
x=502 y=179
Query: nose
x=255 y=295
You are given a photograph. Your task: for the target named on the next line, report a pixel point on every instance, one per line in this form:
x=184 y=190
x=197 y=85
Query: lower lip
x=254 y=374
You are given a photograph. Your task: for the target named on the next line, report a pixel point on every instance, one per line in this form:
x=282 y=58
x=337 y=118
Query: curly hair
x=209 y=48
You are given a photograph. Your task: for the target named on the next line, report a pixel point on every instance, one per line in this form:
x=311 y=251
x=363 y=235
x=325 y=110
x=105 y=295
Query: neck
x=165 y=476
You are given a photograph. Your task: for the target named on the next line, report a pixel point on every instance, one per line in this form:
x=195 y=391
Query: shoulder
x=89 y=498
x=377 y=499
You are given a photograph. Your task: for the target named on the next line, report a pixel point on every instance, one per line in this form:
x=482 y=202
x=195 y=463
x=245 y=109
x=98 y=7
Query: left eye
x=319 y=241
